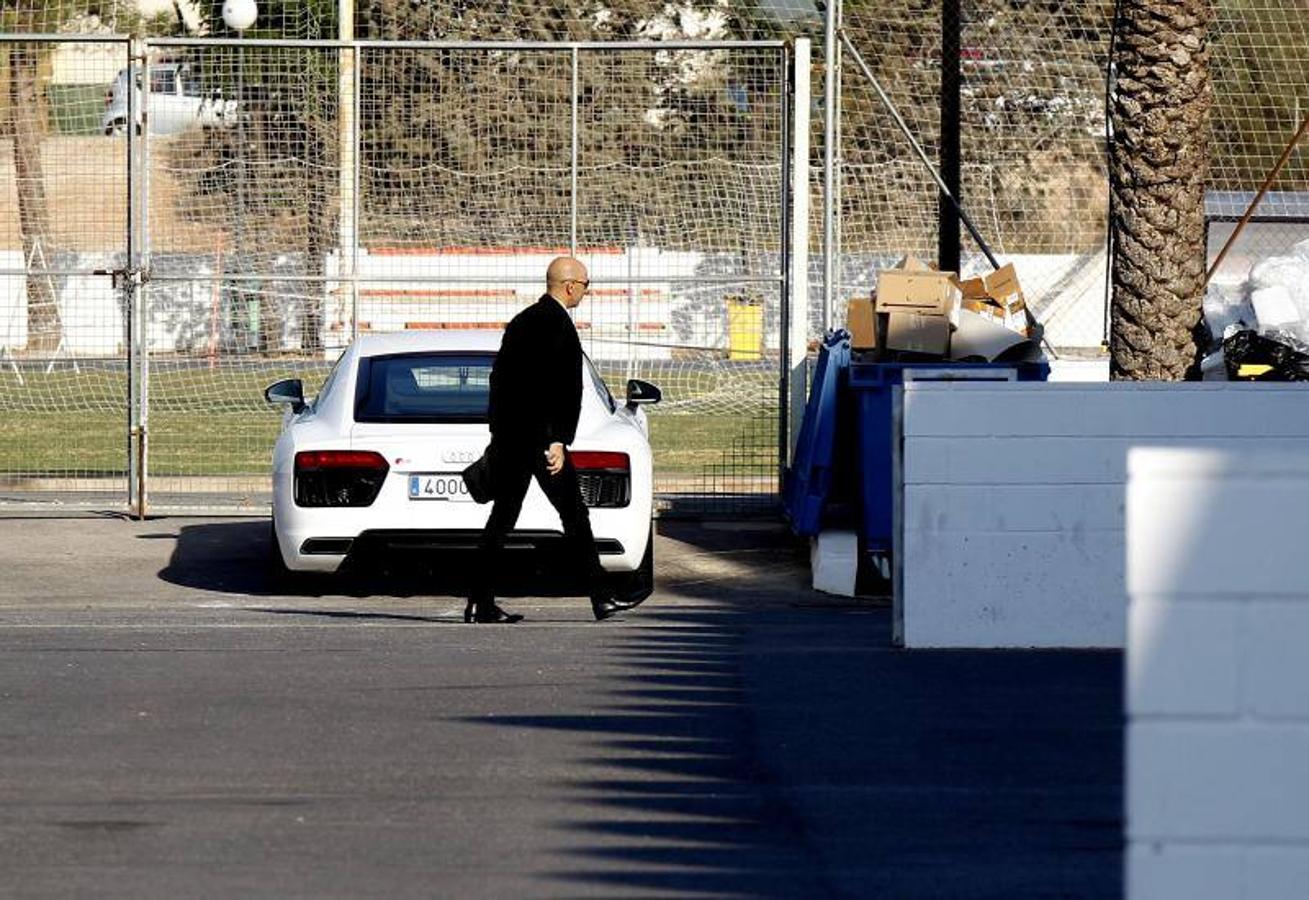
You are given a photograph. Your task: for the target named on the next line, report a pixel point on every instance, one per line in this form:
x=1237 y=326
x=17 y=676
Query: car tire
x=631 y=588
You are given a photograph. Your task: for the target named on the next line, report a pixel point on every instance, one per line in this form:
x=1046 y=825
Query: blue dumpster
x=871 y=386
x=810 y=477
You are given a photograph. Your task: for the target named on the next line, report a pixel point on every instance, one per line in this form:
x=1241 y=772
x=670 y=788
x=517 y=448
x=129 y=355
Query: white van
x=177 y=102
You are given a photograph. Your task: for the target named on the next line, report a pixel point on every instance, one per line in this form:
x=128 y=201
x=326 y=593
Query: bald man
x=536 y=397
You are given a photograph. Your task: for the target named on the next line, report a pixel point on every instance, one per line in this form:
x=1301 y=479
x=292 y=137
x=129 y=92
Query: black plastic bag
x=1251 y=349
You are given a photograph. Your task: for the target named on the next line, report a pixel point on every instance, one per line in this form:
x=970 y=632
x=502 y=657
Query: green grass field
x=214 y=422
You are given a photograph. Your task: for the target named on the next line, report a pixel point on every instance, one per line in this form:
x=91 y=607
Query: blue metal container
x=813 y=469
x=871 y=386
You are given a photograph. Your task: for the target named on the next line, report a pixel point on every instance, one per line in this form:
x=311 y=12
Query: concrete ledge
x=1218 y=715
x=1011 y=531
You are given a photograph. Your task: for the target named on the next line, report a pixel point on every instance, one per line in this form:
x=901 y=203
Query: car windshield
x=424 y=387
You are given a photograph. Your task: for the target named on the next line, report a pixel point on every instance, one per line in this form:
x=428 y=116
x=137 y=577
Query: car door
x=170 y=112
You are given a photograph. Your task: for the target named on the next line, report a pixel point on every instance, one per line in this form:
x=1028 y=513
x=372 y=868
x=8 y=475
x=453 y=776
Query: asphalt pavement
x=176 y=722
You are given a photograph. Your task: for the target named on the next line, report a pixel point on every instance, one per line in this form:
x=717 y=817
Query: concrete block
x=1233 y=780
x=1275 y=648
x=969 y=589
x=1276 y=873
x=1135 y=410
x=1015 y=507
x=1206 y=523
x=1183 y=659
x=1091 y=459
x=1158 y=871
x=834 y=562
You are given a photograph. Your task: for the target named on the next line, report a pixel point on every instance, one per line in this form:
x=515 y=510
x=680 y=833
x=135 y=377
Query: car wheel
x=630 y=588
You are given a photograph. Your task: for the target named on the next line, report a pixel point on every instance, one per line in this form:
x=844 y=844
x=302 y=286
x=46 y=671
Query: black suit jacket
x=536 y=382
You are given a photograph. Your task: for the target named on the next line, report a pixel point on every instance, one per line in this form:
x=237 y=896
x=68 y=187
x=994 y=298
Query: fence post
x=572 y=231
x=797 y=337
x=138 y=371
x=348 y=149
x=947 y=238
x=831 y=115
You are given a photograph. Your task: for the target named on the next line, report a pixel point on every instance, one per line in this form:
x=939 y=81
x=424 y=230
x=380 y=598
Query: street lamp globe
x=239 y=15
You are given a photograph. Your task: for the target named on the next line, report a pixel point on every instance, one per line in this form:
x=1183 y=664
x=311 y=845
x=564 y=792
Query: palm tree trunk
x=25 y=121
x=1158 y=174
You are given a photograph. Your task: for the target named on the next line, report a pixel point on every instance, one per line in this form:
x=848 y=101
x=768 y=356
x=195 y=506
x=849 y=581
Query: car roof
x=478 y=340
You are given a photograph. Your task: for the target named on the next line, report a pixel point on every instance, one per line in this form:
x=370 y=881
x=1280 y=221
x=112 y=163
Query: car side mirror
x=641 y=392
x=289 y=391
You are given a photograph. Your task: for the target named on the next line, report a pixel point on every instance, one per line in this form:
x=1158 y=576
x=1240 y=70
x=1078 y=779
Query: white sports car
x=372 y=464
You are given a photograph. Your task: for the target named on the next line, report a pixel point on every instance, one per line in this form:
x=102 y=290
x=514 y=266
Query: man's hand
x=554 y=458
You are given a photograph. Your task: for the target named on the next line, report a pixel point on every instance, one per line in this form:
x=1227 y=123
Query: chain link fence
x=288 y=196
x=273 y=240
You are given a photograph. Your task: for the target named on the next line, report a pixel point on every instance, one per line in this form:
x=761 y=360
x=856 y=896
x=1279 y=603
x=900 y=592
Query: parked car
x=372 y=465
x=178 y=101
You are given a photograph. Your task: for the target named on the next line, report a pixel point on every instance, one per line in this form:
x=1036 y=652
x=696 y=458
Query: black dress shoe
x=604 y=607
x=491 y=615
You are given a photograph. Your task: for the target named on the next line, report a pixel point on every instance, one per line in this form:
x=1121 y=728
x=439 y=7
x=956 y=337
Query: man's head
x=566 y=280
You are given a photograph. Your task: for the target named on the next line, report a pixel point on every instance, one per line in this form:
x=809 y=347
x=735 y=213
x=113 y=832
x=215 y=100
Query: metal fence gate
x=252 y=206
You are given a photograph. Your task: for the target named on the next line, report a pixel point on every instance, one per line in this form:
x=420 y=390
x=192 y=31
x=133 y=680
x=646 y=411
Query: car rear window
x=424 y=387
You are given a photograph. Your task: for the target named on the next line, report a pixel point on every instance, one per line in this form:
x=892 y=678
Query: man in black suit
x=536 y=397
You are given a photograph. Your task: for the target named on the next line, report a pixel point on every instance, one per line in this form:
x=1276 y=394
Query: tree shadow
x=758 y=749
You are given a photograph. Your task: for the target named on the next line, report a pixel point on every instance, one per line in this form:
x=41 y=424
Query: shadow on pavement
x=236 y=557
x=760 y=749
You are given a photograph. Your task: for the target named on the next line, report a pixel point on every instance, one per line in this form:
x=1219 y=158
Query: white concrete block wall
x=1012 y=527
x=1218 y=674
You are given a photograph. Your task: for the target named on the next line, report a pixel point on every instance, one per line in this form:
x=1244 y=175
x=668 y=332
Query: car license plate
x=439 y=486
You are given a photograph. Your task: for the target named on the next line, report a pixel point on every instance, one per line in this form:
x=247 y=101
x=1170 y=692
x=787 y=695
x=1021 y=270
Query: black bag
x=478 y=478
x=1279 y=359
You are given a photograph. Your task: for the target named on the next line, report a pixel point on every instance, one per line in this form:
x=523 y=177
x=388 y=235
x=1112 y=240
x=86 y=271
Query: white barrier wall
x=1218 y=675
x=1012 y=523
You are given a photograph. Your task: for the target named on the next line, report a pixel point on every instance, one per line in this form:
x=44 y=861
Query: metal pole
x=141 y=276
x=797 y=336
x=133 y=276
x=1258 y=198
x=350 y=59
x=356 y=198
x=632 y=318
x=522 y=46
x=831 y=112
x=126 y=282
x=784 y=286
x=948 y=245
x=918 y=149
x=572 y=231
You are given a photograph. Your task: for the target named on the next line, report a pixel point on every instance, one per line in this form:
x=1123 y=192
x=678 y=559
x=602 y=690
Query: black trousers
x=512 y=471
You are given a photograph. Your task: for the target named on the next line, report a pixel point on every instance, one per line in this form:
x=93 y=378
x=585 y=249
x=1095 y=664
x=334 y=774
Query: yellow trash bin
x=745 y=328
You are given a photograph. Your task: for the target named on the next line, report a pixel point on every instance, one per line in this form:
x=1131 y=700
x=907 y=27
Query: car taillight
x=604 y=477
x=338 y=477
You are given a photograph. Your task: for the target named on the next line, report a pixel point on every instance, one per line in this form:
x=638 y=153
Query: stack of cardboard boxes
x=917 y=311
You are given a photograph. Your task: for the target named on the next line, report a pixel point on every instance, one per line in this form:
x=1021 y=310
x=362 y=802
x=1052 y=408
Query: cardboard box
x=911 y=263
x=918 y=333
x=1000 y=287
x=983 y=308
x=1000 y=291
x=861 y=322
x=922 y=292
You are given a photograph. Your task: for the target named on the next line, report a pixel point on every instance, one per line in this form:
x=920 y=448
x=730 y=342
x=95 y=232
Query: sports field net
x=273 y=243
